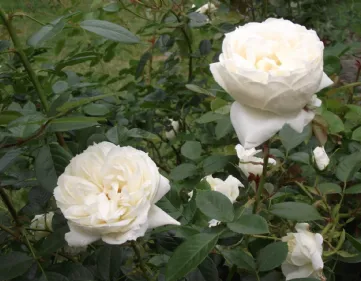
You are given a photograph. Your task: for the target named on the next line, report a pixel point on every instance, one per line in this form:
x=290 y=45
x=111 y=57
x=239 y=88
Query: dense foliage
x=136 y=73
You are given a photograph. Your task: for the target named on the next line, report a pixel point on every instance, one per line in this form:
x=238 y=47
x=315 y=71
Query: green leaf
x=45 y=169
x=305 y=279
x=332 y=65
x=60 y=156
x=73 y=123
x=329 y=188
x=77 y=59
x=197 y=19
x=110 y=31
x=191 y=150
x=111 y=7
x=199 y=90
x=142 y=63
x=215 y=163
x=7 y=116
x=78 y=272
x=215 y=205
x=356 y=134
x=206 y=271
x=348 y=166
x=9 y=157
x=57 y=103
x=205 y=47
x=223 y=127
x=355 y=189
x=295 y=211
x=249 y=224
x=183 y=171
x=14 y=264
x=291 y=139
x=60 y=87
x=74 y=104
x=142 y=134
x=189 y=255
x=354 y=242
x=240 y=258
x=109 y=261
x=301 y=157
x=272 y=256
x=52 y=243
x=53 y=276
x=209 y=117
x=96 y=109
x=335 y=124
x=46 y=33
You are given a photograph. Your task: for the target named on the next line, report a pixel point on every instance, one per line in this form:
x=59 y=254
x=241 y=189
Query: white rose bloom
x=228 y=187
x=272 y=70
x=43 y=221
x=109 y=192
x=304 y=257
x=175 y=127
x=207 y=8
x=247 y=155
x=321 y=157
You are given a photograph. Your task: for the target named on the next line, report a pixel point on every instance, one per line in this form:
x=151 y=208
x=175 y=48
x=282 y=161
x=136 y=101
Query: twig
x=9 y=205
x=29 y=17
x=8 y=230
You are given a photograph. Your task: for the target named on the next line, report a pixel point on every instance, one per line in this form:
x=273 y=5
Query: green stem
x=34 y=79
x=5 y=198
x=266 y=237
x=263 y=177
x=29 y=17
x=8 y=230
x=6 y=19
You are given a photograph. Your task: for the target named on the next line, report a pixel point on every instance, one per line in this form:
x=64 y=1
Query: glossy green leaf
x=110 y=31
x=65 y=124
x=348 y=166
x=14 y=264
x=96 y=109
x=329 y=188
x=215 y=205
x=191 y=150
x=45 y=169
x=189 y=255
x=335 y=124
x=8 y=158
x=291 y=139
x=183 y=171
x=356 y=134
x=355 y=189
x=46 y=32
x=109 y=261
x=272 y=256
x=240 y=258
x=295 y=211
x=60 y=87
x=249 y=224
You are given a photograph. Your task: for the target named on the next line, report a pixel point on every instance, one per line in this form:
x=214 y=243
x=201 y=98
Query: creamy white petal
x=325 y=82
x=157 y=217
x=253 y=127
x=119 y=238
x=293 y=272
x=80 y=237
x=163 y=188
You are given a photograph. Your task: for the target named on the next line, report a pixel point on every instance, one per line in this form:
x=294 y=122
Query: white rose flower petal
x=304 y=257
x=109 y=192
x=321 y=158
x=175 y=127
x=43 y=221
x=207 y=8
x=248 y=155
x=272 y=69
x=228 y=187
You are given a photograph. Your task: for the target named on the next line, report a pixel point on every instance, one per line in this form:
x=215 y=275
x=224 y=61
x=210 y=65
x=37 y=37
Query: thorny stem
x=5 y=198
x=6 y=19
x=263 y=177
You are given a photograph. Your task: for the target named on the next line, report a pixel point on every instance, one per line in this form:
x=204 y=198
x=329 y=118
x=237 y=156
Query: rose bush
x=272 y=69
x=109 y=192
x=111 y=117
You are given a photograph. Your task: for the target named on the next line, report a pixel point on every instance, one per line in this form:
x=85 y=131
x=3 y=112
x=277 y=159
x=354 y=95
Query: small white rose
x=321 y=157
x=43 y=221
x=175 y=127
x=228 y=187
x=272 y=70
x=304 y=257
x=109 y=192
x=207 y=8
x=248 y=155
